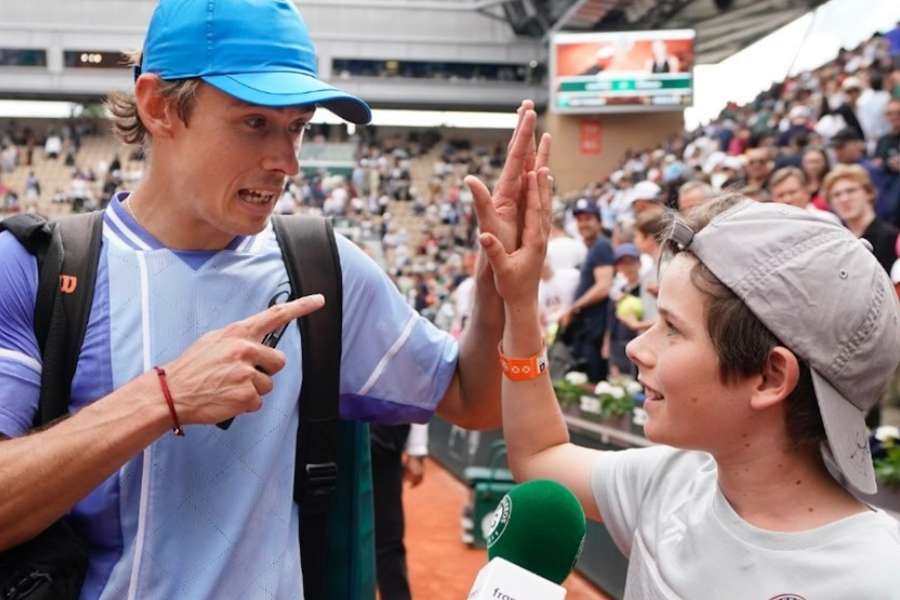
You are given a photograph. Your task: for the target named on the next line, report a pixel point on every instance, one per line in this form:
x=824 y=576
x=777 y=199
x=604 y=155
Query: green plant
x=567 y=393
x=887 y=469
x=612 y=407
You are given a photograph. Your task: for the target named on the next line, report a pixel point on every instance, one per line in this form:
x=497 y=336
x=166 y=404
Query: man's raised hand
x=517 y=273
x=501 y=214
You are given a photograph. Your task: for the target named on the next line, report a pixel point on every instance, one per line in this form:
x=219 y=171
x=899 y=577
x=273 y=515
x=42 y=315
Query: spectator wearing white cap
x=852 y=88
x=798 y=125
x=645 y=195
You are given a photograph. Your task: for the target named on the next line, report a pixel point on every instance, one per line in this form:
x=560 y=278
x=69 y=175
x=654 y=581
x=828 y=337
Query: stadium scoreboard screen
x=625 y=71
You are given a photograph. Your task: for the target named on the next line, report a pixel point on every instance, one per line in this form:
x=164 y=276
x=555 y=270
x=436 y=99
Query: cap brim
x=290 y=88
x=848 y=436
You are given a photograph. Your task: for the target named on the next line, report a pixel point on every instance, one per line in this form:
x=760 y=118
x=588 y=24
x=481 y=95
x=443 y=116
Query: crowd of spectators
x=826 y=140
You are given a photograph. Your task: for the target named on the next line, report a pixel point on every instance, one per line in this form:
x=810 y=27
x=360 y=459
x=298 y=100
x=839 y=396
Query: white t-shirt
x=463 y=298
x=649 y=277
x=664 y=510
x=564 y=252
x=555 y=295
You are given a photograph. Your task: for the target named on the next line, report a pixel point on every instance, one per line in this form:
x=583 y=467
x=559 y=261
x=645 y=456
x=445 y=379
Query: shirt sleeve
x=395 y=365
x=621 y=481
x=20 y=359
x=601 y=254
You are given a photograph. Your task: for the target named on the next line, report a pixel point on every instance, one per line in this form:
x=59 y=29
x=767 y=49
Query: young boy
x=777 y=333
x=627 y=311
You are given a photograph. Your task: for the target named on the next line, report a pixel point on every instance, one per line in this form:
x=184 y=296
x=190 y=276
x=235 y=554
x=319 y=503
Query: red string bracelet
x=164 y=384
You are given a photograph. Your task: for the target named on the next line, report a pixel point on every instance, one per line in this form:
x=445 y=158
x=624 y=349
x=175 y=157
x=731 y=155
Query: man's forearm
x=597 y=293
x=477 y=381
x=44 y=474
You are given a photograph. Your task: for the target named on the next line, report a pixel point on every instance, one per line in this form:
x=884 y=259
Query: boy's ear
x=779 y=378
x=155 y=110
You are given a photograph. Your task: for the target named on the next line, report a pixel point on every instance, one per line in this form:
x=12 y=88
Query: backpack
x=336 y=510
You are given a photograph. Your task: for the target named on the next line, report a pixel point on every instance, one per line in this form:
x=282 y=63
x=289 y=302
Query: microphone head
x=539 y=526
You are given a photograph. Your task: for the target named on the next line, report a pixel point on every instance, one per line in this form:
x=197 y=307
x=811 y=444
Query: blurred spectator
x=871 y=109
x=788 y=186
x=53 y=146
x=799 y=119
x=9 y=157
x=852 y=89
x=626 y=311
x=849 y=146
x=758 y=166
x=852 y=195
x=646 y=195
x=563 y=252
x=815 y=166
x=694 y=193
x=556 y=291
x=585 y=322
x=887 y=158
x=32 y=191
x=649 y=229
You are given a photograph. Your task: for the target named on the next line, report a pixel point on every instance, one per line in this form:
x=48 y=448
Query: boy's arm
x=536 y=434
x=471 y=399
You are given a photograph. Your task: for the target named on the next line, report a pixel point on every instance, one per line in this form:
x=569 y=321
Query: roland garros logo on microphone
x=499 y=520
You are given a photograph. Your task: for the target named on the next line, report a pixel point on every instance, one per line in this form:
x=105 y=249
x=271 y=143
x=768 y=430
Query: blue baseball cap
x=627 y=250
x=258 y=51
x=585 y=206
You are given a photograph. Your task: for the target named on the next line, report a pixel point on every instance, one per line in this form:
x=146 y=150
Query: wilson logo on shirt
x=68 y=284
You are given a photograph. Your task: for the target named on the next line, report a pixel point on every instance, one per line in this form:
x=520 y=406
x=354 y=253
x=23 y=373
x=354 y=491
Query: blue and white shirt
x=210 y=515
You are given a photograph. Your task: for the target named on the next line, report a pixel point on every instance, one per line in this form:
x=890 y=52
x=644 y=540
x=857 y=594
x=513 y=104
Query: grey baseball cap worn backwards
x=820 y=291
x=258 y=51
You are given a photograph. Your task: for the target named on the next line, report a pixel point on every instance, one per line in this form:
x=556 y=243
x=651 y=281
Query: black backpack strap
x=81 y=236
x=314 y=267
x=67 y=252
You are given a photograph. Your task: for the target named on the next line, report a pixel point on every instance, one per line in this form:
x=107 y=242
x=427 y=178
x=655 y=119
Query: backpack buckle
x=320 y=482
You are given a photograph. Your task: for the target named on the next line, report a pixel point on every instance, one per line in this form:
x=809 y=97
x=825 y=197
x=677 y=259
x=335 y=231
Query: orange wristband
x=523 y=369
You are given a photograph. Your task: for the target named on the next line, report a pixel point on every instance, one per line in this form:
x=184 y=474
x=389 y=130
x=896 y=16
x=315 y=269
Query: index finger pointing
x=280 y=314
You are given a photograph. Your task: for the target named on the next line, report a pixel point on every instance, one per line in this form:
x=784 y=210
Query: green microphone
x=539 y=526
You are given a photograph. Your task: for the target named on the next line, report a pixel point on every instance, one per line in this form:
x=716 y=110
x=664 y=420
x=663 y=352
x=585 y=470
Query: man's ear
x=154 y=109
x=779 y=378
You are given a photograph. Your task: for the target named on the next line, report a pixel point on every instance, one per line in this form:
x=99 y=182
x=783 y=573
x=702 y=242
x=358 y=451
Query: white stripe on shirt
x=141 y=534
x=382 y=364
x=22 y=359
x=132 y=237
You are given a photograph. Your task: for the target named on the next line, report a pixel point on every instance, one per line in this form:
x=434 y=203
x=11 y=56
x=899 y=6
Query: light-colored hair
x=690 y=186
x=127 y=124
x=652 y=224
x=786 y=173
x=853 y=172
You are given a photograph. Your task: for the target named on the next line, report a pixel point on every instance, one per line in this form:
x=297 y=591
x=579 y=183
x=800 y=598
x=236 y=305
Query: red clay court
x=441 y=567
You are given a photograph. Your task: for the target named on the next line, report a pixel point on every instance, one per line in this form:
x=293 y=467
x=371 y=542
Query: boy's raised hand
x=517 y=273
